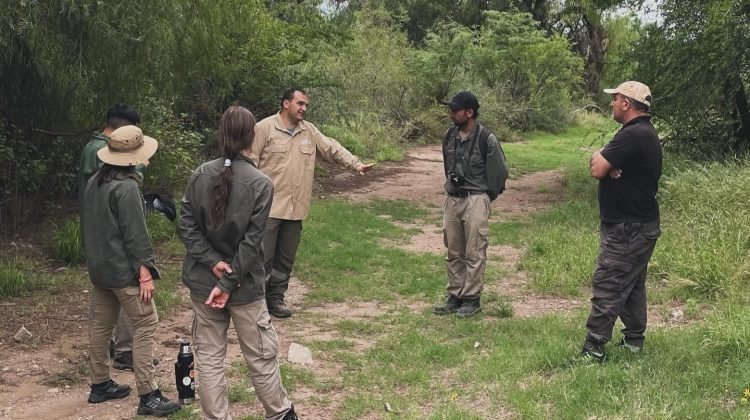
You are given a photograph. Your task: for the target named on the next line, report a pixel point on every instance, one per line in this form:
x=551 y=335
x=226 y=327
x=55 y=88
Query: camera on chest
x=456 y=179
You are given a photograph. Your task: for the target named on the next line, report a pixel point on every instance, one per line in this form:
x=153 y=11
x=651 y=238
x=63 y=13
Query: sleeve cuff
x=225 y=285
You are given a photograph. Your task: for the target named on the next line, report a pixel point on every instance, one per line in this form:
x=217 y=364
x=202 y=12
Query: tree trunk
x=742 y=125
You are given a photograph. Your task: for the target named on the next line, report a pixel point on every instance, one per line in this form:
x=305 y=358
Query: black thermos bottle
x=184 y=374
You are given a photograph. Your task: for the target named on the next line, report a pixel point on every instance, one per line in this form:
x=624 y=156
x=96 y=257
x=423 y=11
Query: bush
x=180 y=149
x=66 y=242
x=160 y=229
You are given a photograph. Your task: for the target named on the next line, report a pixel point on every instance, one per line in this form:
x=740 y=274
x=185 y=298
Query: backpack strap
x=484 y=137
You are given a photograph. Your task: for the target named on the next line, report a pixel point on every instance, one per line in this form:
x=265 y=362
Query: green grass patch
x=508 y=233
x=19 y=276
x=704 y=249
x=347 y=262
x=569 y=148
x=524 y=368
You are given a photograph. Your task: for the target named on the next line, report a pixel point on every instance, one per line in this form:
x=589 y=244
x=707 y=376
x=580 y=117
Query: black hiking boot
x=278 y=309
x=109 y=390
x=451 y=306
x=156 y=404
x=124 y=361
x=290 y=415
x=469 y=308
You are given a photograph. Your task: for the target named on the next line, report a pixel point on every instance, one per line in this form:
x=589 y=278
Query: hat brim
x=452 y=105
x=611 y=91
x=131 y=158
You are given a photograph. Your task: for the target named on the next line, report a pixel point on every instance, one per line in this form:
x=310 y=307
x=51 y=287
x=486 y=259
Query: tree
x=697 y=64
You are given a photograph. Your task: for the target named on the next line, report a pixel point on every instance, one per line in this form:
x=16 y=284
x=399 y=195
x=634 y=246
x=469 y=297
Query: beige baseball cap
x=128 y=147
x=634 y=90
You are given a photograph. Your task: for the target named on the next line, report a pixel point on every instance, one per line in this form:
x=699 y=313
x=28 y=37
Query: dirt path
x=420 y=179
x=49 y=380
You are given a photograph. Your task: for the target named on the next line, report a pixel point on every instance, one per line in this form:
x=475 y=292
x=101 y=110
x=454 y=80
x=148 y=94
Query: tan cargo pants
x=259 y=345
x=465 y=231
x=123 y=334
x=104 y=309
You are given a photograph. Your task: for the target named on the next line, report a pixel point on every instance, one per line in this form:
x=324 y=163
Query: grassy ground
x=406 y=363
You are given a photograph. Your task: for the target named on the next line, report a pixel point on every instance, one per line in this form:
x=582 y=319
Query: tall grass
x=66 y=242
x=704 y=249
x=13 y=281
x=706 y=218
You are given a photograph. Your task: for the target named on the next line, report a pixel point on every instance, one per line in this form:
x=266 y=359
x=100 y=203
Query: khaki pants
x=103 y=311
x=280 y=242
x=465 y=232
x=259 y=346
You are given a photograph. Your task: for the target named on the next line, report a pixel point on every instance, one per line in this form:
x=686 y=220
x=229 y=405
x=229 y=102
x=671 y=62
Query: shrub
x=160 y=229
x=66 y=242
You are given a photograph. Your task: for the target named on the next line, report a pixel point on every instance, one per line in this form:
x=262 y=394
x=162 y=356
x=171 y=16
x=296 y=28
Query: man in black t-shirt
x=628 y=169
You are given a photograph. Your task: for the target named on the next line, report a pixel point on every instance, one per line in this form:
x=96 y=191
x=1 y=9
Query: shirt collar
x=637 y=120
x=100 y=136
x=279 y=124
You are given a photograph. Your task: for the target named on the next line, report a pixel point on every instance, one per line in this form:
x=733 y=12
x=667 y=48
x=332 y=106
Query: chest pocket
x=308 y=153
x=280 y=145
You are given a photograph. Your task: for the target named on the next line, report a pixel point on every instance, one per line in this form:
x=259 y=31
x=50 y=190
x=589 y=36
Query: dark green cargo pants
x=280 y=242
x=619 y=284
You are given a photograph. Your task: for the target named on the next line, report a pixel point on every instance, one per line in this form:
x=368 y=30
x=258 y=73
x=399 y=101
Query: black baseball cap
x=463 y=100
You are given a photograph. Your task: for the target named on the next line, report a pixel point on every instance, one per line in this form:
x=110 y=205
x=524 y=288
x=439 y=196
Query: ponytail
x=221 y=195
x=236 y=134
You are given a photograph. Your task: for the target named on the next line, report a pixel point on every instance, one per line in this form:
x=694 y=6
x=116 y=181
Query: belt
x=465 y=193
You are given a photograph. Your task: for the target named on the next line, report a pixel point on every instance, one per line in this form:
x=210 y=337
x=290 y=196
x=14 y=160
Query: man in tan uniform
x=285 y=148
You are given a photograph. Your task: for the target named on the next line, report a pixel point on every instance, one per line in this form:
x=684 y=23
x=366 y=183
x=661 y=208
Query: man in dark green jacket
x=475 y=173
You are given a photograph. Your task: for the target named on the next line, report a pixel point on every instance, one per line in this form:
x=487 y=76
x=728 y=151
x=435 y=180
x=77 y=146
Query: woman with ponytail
x=224 y=213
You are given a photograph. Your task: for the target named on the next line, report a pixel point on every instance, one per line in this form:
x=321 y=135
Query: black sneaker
x=469 y=308
x=624 y=345
x=278 y=309
x=109 y=390
x=593 y=352
x=155 y=404
x=290 y=415
x=451 y=306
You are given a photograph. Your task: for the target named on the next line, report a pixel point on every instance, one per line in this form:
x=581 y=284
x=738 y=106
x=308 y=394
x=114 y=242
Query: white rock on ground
x=300 y=354
x=23 y=335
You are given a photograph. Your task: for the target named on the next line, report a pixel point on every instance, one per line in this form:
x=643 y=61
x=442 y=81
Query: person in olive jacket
x=224 y=213
x=121 y=267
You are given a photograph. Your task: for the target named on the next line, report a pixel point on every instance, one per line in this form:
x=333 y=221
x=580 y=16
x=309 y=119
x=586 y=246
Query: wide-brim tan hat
x=128 y=147
x=634 y=90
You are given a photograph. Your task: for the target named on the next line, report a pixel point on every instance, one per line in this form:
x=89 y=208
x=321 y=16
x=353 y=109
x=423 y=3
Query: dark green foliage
x=696 y=62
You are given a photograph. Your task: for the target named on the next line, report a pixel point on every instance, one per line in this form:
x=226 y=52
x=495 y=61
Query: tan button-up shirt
x=289 y=160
